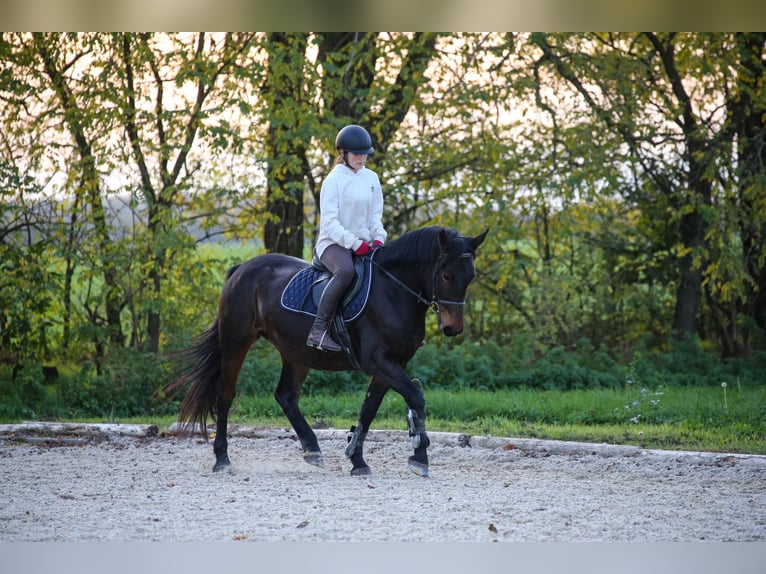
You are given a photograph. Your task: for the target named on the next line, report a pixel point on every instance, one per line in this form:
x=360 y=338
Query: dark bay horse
x=426 y=268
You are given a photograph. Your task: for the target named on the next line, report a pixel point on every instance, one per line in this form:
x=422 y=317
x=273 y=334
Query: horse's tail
x=202 y=375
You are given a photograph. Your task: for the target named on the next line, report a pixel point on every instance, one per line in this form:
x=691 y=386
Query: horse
x=427 y=268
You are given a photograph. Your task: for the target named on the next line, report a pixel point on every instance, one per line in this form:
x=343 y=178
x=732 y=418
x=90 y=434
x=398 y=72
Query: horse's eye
x=446 y=276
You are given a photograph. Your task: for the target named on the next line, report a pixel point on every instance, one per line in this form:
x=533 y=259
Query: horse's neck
x=418 y=276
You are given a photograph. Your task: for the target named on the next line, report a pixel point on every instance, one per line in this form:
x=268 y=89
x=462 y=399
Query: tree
x=747 y=113
x=621 y=174
x=661 y=94
x=169 y=134
x=287 y=94
x=27 y=286
x=141 y=109
x=309 y=106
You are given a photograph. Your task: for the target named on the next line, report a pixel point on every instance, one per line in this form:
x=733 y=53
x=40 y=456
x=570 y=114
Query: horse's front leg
x=416 y=423
x=393 y=375
x=355 y=450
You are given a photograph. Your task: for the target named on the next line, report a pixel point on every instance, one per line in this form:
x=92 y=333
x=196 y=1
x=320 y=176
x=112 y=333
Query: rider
x=351 y=210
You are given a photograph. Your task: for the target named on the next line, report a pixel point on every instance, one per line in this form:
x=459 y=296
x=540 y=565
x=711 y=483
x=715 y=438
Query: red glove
x=377 y=243
x=363 y=249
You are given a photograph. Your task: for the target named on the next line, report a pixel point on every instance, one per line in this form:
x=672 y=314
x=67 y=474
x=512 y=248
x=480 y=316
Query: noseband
x=435 y=301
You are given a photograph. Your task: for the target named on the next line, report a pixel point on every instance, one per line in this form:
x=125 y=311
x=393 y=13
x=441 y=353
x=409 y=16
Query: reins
x=435 y=302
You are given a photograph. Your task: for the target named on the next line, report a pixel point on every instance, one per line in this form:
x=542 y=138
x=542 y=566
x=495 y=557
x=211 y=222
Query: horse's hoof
x=418 y=467
x=361 y=471
x=222 y=466
x=314 y=458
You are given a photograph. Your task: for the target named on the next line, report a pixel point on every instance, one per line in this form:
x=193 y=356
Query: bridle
x=435 y=301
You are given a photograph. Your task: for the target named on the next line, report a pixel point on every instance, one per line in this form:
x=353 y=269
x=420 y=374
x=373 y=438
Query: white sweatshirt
x=351 y=209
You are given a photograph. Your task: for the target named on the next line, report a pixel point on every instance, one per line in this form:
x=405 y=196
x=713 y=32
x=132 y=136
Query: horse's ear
x=444 y=241
x=478 y=240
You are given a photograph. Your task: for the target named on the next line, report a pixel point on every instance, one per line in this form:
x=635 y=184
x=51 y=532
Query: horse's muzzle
x=451 y=331
x=451 y=323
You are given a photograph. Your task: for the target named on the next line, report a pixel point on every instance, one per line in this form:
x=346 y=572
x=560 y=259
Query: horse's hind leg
x=287 y=395
x=231 y=363
x=355 y=450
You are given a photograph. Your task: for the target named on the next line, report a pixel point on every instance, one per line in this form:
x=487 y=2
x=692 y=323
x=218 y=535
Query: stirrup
x=321 y=344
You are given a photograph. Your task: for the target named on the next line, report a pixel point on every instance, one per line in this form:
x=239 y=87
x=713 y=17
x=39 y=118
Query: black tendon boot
x=319 y=336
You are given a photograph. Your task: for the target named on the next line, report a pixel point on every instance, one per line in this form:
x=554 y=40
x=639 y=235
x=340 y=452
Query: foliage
x=129 y=385
x=652 y=416
x=28 y=285
x=150 y=110
x=26 y=396
x=685 y=418
x=619 y=174
x=131 y=382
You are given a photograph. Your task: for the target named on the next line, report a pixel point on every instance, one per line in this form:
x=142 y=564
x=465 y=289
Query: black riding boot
x=319 y=336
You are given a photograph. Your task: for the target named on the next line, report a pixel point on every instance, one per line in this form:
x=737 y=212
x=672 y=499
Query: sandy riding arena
x=111 y=486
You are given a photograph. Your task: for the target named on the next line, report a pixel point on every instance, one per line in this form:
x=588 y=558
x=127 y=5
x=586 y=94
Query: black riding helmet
x=355 y=139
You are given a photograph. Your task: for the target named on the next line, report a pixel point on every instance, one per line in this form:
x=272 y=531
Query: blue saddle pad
x=303 y=291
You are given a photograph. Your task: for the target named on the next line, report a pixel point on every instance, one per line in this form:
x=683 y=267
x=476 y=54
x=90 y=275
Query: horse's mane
x=420 y=245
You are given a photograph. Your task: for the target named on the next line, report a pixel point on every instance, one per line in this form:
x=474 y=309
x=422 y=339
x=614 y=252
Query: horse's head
x=453 y=272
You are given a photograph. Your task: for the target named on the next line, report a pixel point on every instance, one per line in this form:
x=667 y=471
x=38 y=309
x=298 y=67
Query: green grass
x=678 y=418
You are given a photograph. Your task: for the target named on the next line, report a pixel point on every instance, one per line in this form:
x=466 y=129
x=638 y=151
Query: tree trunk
x=157 y=262
x=89 y=188
x=750 y=121
x=286 y=146
x=693 y=227
x=349 y=63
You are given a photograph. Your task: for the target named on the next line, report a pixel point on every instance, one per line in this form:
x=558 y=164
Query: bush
x=130 y=385
x=131 y=382
x=25 y=391
x=260 y=371
x=686 y=363
x=262 y=368
x=490 y=367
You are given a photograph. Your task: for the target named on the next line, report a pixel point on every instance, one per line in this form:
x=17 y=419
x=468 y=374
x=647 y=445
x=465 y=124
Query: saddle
x=303 y=292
